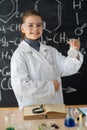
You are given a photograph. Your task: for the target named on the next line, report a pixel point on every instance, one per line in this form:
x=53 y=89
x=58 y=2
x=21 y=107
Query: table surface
x=19 y=121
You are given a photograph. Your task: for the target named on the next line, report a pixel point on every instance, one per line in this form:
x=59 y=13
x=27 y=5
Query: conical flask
x=69 y=120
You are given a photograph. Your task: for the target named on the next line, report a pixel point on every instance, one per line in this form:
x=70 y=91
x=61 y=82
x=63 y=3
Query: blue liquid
x=69 y=122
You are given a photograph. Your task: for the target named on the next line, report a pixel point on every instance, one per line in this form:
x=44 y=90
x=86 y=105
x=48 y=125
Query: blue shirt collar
x=35 y=44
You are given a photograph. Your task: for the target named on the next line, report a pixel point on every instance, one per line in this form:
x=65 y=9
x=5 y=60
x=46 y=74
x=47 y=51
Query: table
x=34 y=123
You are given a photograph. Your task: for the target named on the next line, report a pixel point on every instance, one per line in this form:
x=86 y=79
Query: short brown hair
x=29 y=13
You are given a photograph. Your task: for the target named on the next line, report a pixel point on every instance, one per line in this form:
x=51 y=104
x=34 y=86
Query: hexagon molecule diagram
x=47 y=8
x=8 y=8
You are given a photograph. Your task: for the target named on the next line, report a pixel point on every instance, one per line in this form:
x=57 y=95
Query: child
x=36 y=69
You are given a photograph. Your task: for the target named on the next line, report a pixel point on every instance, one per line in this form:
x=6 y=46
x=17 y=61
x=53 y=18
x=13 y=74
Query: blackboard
x=64 y=19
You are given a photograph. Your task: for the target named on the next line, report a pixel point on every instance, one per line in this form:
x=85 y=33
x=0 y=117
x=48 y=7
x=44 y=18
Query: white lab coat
x=32 y=73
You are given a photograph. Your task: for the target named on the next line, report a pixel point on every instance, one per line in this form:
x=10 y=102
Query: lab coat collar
x=27 y=48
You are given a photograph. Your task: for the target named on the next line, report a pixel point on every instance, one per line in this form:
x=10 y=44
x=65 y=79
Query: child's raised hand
x=74 y=43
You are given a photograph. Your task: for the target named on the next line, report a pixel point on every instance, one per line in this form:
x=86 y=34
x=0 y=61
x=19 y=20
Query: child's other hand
x=56 y=85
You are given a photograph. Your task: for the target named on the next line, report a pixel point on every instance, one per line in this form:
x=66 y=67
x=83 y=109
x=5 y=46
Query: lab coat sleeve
x=68 y=65
x=22 y=84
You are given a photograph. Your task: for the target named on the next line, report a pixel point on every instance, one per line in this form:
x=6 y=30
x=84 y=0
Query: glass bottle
x=80 y=127
x=86 y=120
x=69 y=120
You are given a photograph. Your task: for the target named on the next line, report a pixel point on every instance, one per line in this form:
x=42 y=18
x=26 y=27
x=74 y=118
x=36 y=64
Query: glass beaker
x=69 y=120
x=10 y=121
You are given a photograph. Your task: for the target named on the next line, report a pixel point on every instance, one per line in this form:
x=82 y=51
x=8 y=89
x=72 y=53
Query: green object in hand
x=10 y=128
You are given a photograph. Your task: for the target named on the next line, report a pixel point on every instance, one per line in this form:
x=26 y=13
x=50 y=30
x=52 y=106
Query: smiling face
x=32 y=27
